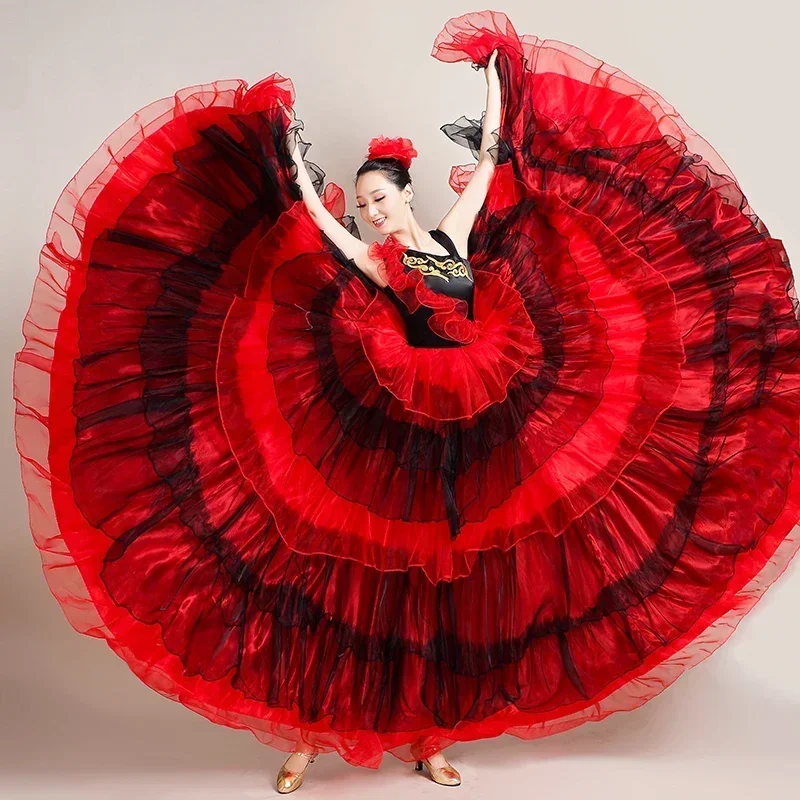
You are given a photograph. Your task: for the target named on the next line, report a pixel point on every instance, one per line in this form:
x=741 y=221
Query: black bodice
x=450 y=275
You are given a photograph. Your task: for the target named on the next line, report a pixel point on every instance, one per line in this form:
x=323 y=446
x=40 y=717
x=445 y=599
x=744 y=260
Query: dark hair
x=393 y=169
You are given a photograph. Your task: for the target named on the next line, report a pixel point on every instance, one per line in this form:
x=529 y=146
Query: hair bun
x=399 y=148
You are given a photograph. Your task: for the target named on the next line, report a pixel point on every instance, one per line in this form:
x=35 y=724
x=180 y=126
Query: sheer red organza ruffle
x=281 y=515
x=449 y=319
x=454 y=383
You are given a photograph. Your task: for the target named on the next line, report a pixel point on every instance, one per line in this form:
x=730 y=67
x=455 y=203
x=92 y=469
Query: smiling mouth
x=379 y=222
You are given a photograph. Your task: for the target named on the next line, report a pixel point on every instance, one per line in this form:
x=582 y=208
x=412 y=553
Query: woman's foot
x=291 y=774
x=440 y=770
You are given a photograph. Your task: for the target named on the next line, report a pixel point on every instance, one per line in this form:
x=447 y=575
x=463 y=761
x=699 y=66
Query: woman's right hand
x=290 y=141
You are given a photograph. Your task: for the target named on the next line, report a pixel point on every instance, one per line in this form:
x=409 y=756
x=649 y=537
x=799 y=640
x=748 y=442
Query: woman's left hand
x=491 y=71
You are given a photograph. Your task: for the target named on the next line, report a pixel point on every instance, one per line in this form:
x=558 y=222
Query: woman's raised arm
x=352 y=247
x=458 y=222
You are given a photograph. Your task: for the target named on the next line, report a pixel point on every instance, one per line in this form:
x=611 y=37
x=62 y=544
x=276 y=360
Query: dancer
x=384 y=194
x=510 y=474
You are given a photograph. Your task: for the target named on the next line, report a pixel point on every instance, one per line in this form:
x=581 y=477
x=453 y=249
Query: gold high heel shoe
x=445 y=776
x=287 y=780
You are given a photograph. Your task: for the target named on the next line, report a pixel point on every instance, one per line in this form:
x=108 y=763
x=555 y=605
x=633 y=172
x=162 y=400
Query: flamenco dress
x=506 y=494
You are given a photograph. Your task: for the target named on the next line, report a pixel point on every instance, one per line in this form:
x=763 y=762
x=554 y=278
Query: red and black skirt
x=283 y=516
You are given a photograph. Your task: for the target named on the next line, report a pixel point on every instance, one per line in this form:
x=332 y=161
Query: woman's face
x=381 y=203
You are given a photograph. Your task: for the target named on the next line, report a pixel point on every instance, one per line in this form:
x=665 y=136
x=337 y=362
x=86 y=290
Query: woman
x=383 y=195
x=368 y=499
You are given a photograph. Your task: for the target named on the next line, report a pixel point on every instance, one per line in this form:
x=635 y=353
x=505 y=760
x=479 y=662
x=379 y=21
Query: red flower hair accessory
x=399 y=148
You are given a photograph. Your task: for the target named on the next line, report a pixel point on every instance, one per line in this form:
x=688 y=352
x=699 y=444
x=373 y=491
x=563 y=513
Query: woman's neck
x=414 y=237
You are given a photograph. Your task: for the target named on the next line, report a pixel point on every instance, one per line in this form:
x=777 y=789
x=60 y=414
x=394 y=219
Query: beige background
x=74 y=722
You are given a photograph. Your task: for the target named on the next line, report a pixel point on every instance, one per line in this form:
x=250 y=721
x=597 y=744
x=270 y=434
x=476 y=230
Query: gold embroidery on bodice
x=443 y=267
